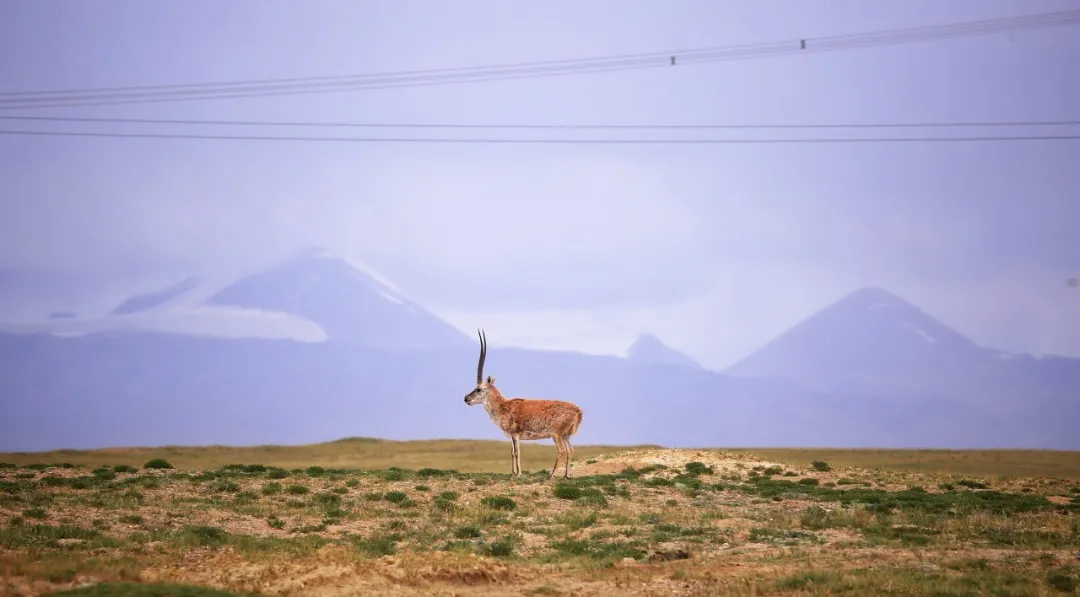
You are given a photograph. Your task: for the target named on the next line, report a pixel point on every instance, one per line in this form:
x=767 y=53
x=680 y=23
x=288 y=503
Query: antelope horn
x=483 y=355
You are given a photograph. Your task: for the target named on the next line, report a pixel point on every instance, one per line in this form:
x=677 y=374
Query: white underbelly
x=532 y=436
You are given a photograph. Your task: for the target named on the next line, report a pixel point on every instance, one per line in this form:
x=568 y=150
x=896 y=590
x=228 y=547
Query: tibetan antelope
x=526 y=419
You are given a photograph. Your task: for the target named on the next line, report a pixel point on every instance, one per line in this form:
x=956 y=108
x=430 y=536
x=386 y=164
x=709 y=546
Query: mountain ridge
x=872 y=342
x=141 y=302
x=870 y=369
x=137 y=388
x=349 y=300
x=312 y=295
x=647 y=349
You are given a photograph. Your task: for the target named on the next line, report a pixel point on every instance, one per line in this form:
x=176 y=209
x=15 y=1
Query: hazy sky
x=714 y=248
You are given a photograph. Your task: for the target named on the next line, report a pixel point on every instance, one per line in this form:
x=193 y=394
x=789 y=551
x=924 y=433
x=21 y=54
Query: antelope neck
x=494 y=402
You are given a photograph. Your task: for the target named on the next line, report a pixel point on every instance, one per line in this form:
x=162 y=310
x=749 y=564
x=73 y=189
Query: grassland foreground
x=645 y=521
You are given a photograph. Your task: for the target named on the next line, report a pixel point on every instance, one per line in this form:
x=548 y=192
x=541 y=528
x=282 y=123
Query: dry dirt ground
x=639 y=522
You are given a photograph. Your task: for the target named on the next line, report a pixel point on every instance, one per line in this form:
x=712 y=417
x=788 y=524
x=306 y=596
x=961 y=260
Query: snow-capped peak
x=377 y=281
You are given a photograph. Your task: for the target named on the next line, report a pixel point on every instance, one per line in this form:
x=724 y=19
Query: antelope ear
x=490 y=380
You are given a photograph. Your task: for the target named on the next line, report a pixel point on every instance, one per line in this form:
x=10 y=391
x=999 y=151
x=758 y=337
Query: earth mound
x=721 y=461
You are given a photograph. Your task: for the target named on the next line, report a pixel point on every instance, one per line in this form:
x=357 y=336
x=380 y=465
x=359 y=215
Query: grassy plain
x=467 y=456
x=473 y=456
x=992 y=463
x=368 y=517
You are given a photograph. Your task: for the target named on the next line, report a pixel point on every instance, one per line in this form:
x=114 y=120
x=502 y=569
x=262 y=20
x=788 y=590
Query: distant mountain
x=347 y=299
x=876 y=344
x=649 y=350
x=871 y=370
x=312 y=296
x=157 y=389
x=150 y=300
x=870 y=340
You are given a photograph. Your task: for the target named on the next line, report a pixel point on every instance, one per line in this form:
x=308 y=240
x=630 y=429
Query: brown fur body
x=532 y=419
x=527 y=419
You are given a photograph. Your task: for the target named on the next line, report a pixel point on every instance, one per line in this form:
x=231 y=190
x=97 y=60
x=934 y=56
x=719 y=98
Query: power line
x=466 y=140
x=474 y=74
x=389 y=125
x=389 y=80
x=975 y=27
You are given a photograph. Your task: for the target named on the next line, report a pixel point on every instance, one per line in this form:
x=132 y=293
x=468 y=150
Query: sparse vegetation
x=272 y=488
x=698 y=468
x=105 y=473
x=499 y=502
x=157 y=463
x=395 y=497
x=1062 y=581
x=132 y=589
x=297 y=489
x=677 y=516
x=467 y=532
x=566 y=491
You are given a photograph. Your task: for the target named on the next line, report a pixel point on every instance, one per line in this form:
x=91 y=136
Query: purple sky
x=715 y=249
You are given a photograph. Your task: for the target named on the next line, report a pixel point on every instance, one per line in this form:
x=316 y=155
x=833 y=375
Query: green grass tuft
x=157 y=463
x=499 y=502
x=132 y=589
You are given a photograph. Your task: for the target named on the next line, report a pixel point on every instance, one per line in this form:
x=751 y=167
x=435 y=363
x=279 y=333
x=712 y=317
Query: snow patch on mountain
x=312 y=296
x=225 y=322
x=376 y=281
x=920 y=332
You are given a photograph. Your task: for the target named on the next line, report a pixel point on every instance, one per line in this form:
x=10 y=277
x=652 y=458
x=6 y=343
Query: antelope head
x=480 y=393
